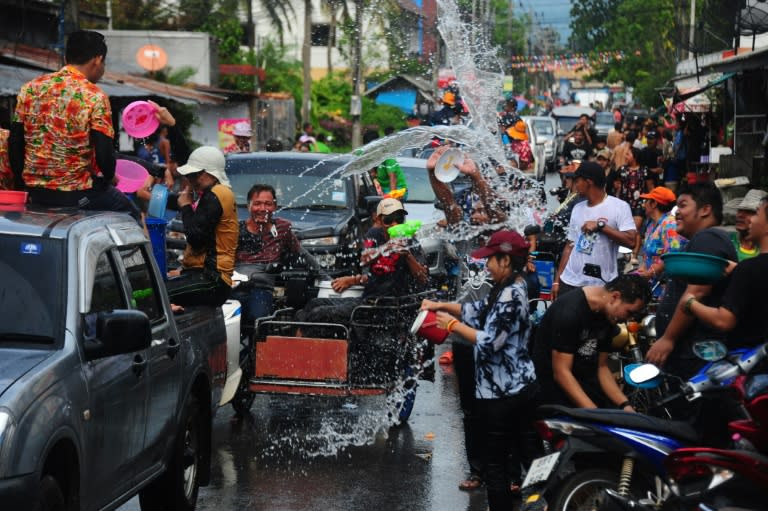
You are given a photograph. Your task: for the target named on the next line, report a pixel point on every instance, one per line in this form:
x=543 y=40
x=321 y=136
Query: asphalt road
x=300 y=453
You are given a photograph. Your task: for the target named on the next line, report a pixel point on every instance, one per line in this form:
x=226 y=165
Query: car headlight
x=318 y=242
x=7 y=425
x=325 y=260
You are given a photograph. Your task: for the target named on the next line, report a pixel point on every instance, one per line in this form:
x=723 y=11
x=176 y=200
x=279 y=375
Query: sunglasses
x=396 y=217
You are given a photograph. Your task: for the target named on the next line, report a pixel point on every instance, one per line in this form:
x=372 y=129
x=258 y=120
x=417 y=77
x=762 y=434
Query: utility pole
x=691 y=32
x=356 y=104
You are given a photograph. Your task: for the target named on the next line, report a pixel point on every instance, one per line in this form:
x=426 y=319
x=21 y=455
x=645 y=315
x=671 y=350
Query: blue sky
x=549 y=12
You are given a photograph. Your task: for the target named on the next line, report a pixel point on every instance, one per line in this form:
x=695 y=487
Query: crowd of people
x=622 y=192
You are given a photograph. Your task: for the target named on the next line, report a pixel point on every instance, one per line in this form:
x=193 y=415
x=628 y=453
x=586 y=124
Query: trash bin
x=156 y=230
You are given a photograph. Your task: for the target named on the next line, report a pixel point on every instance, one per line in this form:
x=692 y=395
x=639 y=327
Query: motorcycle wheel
x=583 y=491
x=243 y=396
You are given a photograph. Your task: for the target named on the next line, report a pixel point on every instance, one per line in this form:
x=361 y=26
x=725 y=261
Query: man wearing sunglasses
x=395 y=267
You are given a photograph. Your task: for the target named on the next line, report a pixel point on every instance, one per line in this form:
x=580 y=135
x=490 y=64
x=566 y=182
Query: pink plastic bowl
x=130 y=176
x=139 y=119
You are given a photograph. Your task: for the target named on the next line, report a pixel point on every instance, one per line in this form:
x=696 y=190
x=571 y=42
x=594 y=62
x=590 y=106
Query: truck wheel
x=176 y=489
x=243 y=396
x=51 y=496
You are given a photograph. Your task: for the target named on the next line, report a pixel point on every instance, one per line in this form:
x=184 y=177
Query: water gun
x=397 y=193
x=405 y=230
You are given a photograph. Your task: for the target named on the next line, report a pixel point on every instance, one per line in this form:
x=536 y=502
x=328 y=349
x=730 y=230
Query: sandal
x=472 y=483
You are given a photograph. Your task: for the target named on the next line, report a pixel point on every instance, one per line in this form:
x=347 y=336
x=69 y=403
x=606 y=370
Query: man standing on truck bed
x=211 y=227
x=61 y=143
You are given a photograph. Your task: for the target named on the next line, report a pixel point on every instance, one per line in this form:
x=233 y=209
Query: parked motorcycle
x=705 y=478
x=595 y=450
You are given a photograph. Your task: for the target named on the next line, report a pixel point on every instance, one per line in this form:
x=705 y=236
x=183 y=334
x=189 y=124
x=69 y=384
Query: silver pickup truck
x=104 y=394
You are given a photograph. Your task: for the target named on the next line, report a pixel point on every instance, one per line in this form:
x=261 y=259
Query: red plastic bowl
x=12 y=197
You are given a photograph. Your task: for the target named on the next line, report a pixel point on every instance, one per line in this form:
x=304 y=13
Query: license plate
x=540 y=469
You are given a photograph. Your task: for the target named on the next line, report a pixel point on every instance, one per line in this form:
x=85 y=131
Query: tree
x=644 y=30
x=306 y=57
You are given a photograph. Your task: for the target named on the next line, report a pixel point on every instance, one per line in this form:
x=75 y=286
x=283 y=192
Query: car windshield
x=604 y=118
x=567 y=123
x=298 y=183
x=419 y=189
x=31 y=304
x=543 y=128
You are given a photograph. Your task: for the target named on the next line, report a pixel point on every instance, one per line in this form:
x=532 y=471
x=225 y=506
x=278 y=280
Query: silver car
x=543 y=132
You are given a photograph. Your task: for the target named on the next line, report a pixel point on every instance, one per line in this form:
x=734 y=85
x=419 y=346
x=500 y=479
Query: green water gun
x=405 y=230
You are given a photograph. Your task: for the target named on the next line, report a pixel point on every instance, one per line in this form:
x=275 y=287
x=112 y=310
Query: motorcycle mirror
x=711 y=351
x=642 y=375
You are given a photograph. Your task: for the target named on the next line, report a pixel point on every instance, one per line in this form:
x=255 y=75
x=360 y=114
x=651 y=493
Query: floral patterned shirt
x=661 y=238
x=503 y=366
x=632 y=185
x=58 y=111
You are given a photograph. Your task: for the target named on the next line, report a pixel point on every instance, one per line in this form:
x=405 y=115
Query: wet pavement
x=298 y=453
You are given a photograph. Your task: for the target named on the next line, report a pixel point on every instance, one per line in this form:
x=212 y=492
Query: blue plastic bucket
x=156 y=230
x=158 y=201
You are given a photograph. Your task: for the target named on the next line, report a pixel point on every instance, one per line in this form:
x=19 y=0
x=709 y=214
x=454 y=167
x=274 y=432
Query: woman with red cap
x=499 y=327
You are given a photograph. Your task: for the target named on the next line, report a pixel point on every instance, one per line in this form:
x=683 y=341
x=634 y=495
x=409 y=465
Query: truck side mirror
x=118 y=332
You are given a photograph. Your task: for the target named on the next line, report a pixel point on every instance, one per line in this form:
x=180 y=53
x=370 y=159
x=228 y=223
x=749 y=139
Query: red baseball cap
x=503 y=242
x=660 y=194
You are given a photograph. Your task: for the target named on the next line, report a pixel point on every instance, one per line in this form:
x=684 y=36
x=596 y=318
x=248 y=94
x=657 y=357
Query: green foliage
x=331 y=97
x=282 y=75
x=173 y=76
x=643 y=29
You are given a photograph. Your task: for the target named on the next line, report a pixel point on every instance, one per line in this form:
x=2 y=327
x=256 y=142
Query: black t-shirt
x=571 y=151
x=570 y=326
x=389 y=274
x=745 y=298
x=649 y=158
x=713 y=241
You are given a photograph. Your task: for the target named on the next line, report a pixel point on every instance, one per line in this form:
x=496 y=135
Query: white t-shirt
x=595 y=248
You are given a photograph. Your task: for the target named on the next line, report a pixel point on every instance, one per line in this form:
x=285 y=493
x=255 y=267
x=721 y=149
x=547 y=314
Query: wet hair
x=83 y=45
x=635 y=153
x=706 y=194
x=665 y=208
x=517 y=263
x=631 y=136
x=370 y=136
x=617 y=126
x=258 y=188
x=630 y=288
x=274 y=145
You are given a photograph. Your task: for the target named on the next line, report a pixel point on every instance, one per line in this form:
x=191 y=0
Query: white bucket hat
x=206 y=159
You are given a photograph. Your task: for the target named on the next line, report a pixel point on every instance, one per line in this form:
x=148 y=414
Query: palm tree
x=306 y=57
x=332 y=7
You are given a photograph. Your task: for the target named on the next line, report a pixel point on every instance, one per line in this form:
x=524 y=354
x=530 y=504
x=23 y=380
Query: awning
x=689 y=94
x=13 y=78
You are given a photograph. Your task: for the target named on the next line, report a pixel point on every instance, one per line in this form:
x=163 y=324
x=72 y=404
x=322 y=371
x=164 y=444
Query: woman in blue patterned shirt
x=499 y=327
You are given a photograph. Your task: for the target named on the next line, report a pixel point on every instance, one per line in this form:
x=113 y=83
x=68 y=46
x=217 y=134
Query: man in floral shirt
x=61 y=144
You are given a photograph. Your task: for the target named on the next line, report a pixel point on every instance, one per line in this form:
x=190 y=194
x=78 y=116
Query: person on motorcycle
x=396 y=267
x=574 y=340
x=262 y=240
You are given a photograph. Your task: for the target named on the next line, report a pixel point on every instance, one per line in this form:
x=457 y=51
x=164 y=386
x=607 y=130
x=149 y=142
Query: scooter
x=704 y=478
x=595 y=450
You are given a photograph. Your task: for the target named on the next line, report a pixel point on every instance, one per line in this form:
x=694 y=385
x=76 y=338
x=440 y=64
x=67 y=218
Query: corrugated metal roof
x=113 y=84
x=13 y=78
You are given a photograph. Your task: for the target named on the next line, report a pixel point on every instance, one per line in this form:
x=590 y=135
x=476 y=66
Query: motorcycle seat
x=619 y=418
